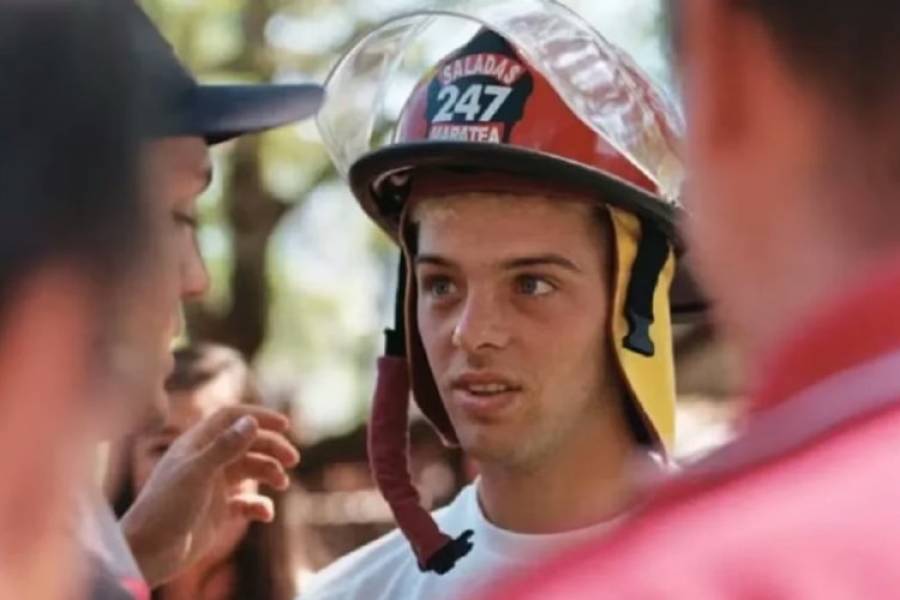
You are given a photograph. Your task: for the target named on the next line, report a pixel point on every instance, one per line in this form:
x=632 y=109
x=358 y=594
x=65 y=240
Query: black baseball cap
x=177 y=105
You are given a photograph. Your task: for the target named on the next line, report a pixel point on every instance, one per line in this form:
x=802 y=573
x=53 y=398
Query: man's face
x=176 y=171
x=181 y=171
x=512 y=308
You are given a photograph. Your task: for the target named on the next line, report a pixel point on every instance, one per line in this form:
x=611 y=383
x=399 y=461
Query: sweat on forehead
x=442 y=195
x=439 y=207
x=436 y=189
x=434 y=182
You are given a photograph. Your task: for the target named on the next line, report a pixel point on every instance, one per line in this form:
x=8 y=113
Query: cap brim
x=686 y=298
x=222 y=112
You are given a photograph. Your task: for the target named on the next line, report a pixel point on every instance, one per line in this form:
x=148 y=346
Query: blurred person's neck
x=841 y=235
x=586 y=481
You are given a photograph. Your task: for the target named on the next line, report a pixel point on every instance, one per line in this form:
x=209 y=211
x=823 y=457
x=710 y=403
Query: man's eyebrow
x=523 y=262
x=541 y=260
x=434 y=259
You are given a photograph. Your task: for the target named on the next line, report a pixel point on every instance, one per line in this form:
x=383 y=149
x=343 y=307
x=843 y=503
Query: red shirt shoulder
x=819 y=523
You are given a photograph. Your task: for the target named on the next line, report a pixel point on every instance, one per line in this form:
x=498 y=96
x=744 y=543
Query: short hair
x=199 y=364
x=849 y=48
x=68 y=140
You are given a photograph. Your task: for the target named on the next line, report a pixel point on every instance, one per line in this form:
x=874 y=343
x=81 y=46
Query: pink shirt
x=804 y=505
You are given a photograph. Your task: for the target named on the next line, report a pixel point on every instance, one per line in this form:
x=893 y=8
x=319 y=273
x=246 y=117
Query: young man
x=536 y=311
x=794 y=144
x=175 y=519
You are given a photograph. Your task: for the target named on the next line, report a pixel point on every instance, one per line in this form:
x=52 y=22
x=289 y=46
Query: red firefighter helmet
x=535 y=100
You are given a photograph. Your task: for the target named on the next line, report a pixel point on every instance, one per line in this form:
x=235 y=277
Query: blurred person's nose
x=195 y=280
x=480 y=325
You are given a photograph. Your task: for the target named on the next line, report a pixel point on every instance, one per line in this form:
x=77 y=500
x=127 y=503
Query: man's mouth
x=487 y=389
x=485 y=384
x=484 y=395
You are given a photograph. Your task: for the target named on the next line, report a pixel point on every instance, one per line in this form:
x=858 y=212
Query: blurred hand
x=195 y=489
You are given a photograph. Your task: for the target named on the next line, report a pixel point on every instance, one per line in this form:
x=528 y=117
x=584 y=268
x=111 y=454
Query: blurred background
x=303 y=284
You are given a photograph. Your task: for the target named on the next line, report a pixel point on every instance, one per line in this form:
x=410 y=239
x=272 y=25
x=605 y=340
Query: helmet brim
x=368 y=174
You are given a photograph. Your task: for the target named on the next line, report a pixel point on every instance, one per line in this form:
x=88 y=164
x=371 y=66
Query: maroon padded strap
x=388 y=457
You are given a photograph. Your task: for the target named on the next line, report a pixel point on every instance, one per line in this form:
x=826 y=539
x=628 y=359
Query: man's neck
x=800 y=296
x=833 y=233
x=589 y=481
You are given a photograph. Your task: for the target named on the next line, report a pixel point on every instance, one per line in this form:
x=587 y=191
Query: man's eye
x=185 y=219
x=531 y=285
x=440 y=287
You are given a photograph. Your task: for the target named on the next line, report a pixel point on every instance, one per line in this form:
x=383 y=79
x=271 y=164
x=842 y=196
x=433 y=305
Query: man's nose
x=194 y=276
x=481 y=324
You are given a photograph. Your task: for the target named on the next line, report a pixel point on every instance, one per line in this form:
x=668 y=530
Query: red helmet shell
x=486 y=106
x=487 y=93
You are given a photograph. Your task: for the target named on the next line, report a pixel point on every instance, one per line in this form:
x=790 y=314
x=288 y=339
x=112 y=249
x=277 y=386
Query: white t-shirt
x=113 y=568
x=102 y=537
x=386 y=569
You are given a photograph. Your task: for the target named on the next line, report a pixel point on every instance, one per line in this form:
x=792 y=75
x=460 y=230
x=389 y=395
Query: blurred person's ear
x=714 y=64
x=735 y=81
x=45 y=349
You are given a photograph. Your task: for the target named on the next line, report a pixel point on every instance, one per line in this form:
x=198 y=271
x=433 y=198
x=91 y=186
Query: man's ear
x=715 y=40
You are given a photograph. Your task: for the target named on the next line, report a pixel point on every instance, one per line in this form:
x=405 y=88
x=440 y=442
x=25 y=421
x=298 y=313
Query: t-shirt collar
x=524 y=547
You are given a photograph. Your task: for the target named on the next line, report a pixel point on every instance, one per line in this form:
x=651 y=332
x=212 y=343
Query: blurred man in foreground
x=72 y=235
x=794 y=142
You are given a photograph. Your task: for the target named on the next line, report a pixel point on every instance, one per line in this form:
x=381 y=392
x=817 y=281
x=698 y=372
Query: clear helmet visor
x=369 y=86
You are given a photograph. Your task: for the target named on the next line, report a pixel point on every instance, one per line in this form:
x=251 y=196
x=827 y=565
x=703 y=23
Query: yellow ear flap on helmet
x=642 y=335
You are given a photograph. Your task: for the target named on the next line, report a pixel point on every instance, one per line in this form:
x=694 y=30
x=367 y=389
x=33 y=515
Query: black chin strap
x=395 y=339
x=653 y=251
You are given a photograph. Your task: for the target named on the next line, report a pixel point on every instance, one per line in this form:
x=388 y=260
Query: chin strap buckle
x=638 y=338
x=445 y=559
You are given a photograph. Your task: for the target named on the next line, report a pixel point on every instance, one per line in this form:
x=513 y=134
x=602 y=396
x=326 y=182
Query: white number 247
x=470 y=103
